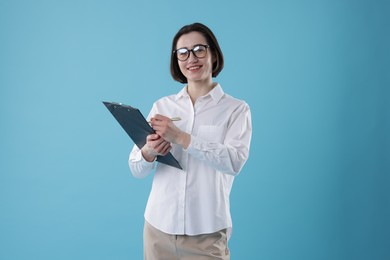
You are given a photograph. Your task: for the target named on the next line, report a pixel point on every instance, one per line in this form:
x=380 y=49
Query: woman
x=188 y=211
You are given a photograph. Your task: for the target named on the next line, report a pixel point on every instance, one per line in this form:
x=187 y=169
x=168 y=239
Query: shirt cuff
x=139 y=158
x=195 y=145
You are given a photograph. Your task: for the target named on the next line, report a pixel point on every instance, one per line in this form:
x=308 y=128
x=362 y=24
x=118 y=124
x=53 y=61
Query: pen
x=172 y=119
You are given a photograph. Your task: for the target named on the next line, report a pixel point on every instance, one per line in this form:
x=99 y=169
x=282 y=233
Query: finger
x=159 y=123
x=166 y=149
x=152 y=137
x=161 y=133
x=157 y=143
x=158 y=128
x=161 y=146
x=159 y=117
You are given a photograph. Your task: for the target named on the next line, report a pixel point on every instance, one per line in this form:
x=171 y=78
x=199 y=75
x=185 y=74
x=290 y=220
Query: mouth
x=194 y=68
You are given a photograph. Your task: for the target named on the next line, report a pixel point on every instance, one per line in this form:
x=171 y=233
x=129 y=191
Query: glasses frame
x=191 y=50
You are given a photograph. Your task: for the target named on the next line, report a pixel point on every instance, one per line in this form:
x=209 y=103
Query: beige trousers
x=161 y=246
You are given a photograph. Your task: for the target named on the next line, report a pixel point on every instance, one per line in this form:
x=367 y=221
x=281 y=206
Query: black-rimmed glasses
x=199 y=51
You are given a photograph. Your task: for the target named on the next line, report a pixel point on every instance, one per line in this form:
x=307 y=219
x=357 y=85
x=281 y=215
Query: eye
x=200 y=50
x=197 y=48
x=182 y=53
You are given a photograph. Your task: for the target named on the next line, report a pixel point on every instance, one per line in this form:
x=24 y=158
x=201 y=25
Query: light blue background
x=315 y=73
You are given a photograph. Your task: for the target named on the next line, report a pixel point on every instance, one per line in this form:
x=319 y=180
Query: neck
x=198 y=89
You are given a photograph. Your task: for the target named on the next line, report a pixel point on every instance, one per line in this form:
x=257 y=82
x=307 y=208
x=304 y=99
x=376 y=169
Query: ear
x=213 y=57
x=215 y=64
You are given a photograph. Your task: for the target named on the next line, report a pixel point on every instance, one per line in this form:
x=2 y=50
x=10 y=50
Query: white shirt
x=195 y=200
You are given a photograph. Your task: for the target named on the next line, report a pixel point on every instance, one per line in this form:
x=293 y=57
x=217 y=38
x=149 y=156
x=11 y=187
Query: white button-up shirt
x=195 y=200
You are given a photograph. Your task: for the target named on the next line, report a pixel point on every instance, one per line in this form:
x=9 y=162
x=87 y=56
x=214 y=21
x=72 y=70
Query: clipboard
x=136 y=126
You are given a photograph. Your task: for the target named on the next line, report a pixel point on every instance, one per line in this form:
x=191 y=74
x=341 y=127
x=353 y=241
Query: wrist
x=184 y=140
x=149 y=157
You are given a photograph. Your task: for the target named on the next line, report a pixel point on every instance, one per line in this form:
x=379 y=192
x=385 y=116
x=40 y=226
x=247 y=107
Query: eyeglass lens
x=199 y=51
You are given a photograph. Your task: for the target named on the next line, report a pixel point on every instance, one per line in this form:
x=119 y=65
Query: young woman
x=188 y=211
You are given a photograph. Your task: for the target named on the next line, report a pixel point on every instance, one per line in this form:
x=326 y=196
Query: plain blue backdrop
x=316 y=75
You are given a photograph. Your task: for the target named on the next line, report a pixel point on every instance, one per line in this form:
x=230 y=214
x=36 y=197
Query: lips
x=194 y=68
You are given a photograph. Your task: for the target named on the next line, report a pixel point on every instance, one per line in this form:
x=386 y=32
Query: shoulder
x=229 y=100
x=172 y=98
x=164 y=104
x=235 y=102
x=165 y=99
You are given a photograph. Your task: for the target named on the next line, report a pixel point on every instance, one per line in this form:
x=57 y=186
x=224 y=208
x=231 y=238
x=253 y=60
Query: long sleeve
x=229 y=156
x=139 y=167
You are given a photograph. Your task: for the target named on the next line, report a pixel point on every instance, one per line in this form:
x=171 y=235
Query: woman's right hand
x=155 y=145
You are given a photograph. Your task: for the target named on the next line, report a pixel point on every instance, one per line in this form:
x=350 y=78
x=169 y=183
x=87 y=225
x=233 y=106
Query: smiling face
x=196 y=70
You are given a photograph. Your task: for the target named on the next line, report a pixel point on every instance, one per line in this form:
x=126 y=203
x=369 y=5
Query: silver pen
x=172 y=119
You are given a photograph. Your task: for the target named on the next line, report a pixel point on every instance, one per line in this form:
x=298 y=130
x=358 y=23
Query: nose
x=192 y=57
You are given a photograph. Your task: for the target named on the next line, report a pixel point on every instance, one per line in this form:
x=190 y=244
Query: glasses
x=199 y=51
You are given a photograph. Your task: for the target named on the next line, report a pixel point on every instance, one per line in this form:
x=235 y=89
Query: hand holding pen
x=165 y=128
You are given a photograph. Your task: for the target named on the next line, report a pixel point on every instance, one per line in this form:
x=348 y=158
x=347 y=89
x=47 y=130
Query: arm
x=142 y=161
x=228 y=157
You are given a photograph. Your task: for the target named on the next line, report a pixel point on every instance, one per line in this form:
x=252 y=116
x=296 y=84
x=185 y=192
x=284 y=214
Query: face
x=196 y=70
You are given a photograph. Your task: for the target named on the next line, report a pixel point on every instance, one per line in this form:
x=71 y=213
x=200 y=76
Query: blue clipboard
x=136 y=126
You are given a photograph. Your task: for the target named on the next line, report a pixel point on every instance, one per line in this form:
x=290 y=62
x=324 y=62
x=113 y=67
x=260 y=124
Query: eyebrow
x=192 y=46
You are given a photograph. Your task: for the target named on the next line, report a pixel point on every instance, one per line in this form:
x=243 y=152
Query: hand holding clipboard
x=136 y=126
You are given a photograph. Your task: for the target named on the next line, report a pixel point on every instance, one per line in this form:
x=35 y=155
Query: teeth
x=194 y=68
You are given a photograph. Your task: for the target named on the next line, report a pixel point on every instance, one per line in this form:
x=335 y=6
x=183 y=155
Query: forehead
x=188 y=40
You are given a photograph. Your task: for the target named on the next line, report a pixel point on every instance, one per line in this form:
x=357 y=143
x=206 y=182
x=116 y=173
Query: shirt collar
x=216 y=93
x=183 y=93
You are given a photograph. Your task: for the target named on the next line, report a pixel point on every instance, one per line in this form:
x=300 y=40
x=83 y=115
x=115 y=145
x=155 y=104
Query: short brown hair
x=211 y=41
